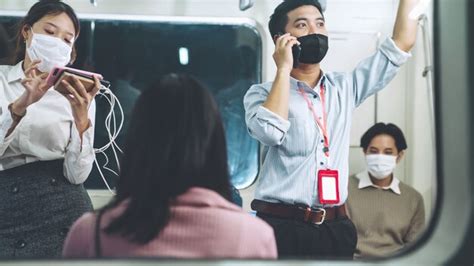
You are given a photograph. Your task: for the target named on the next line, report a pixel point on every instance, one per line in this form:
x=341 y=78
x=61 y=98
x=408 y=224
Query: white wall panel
x=346 y=50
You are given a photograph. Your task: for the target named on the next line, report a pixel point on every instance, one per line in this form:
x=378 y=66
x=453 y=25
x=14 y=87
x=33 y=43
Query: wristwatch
x=16 y=117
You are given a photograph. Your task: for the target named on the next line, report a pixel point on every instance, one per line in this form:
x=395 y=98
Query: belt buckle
x=308 y=211
x=323 y=216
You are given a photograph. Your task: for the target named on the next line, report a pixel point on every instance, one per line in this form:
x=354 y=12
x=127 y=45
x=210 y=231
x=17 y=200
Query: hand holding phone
x=66 y=81
x=295 y=50
x=65 y=73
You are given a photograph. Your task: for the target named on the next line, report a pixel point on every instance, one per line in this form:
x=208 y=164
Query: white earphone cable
x=112 y=133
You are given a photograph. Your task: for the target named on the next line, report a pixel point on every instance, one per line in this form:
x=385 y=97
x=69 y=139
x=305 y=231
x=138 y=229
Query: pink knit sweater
x=202 y=225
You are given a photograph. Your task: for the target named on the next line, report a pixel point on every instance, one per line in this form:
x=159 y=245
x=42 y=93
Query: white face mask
x=380 y=165
x=50 y=50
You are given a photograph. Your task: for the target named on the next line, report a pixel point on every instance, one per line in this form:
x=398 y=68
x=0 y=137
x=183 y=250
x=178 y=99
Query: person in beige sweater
x=387 y=213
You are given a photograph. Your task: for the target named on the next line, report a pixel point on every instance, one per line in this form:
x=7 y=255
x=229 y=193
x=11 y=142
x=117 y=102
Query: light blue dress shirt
x=293 y=149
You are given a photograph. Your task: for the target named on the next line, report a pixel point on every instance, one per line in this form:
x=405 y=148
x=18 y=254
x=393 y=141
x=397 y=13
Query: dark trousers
x=298 y=239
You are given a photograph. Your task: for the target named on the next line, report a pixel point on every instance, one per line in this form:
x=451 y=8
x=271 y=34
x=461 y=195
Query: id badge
x=328 y=186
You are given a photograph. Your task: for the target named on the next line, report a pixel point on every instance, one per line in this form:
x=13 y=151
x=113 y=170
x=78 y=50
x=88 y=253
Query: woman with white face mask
x=46 y=138
x=387 y=213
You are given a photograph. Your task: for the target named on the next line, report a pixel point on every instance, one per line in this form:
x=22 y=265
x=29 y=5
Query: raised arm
x=404 y=31
x=266 y=112
x=279 y=95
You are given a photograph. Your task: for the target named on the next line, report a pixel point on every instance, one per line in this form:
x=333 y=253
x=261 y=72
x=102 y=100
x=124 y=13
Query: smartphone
x=66 y=73
x=296 y=51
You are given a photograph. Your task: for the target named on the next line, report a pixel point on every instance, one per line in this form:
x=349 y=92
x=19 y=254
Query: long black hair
x=39 y=10
x=175 y=141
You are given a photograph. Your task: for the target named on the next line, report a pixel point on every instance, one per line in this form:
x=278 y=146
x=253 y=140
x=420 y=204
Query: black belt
x=302 y=213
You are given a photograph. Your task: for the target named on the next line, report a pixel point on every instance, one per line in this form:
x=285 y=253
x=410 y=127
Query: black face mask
x=313 y=48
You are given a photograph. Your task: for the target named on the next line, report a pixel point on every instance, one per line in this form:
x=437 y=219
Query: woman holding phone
x=46 y=138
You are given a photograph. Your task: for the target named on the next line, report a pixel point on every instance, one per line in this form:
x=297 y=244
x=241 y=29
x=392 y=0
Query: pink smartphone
x=85 y=77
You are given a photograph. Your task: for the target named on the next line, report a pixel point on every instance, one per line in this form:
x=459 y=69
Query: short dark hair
x=279 y=18
x=175 y=141
x=39 y=10
x=380 y=129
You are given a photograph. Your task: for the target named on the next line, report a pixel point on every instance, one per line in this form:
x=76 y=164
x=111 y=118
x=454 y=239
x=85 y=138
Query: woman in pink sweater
x=173 y=193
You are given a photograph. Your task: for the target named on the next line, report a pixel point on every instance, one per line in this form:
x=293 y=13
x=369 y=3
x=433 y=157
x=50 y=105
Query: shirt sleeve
x=80 y=156
x=263 y=124
x=6 y=122
x=79 y=240
x=375 y=72
x=418 y=221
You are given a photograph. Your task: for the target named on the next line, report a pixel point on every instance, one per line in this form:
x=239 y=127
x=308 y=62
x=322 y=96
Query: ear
x=73 y=55
x=400 y=156
x=25 y=32
x=275 y=37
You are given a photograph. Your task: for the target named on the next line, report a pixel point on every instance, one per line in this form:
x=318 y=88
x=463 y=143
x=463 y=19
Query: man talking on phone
x=302 y=119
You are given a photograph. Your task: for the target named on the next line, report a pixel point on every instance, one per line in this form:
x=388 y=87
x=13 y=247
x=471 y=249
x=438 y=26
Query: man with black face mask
x=303 y=120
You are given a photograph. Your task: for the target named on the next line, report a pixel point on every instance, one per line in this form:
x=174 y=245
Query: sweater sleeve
x=417 y=222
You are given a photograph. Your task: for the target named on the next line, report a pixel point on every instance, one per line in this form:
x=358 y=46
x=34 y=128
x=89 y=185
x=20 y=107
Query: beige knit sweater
x=385 y=221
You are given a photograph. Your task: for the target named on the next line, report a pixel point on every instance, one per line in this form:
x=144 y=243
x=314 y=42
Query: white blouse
x=46 y=132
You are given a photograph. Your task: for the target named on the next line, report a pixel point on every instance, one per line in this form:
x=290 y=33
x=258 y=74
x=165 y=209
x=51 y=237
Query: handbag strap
x=98 y=249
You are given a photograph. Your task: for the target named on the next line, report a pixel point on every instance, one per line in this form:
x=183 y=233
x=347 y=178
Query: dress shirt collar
x=16 y=73
x=295 y=84
x=365 y=181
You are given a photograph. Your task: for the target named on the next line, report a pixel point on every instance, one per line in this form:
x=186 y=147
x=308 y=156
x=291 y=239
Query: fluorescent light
x=183 y=55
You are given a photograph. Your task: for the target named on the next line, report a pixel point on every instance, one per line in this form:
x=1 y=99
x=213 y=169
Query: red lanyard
x=323 y=124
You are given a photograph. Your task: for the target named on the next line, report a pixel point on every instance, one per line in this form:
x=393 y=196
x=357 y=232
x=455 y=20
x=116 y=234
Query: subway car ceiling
x=175 y=37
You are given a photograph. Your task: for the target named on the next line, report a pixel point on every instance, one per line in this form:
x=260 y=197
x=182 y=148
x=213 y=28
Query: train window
x=228 y=57
x=225 y=57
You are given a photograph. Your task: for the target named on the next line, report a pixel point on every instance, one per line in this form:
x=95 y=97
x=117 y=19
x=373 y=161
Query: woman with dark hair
x=46 y=138
x=173 y=193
